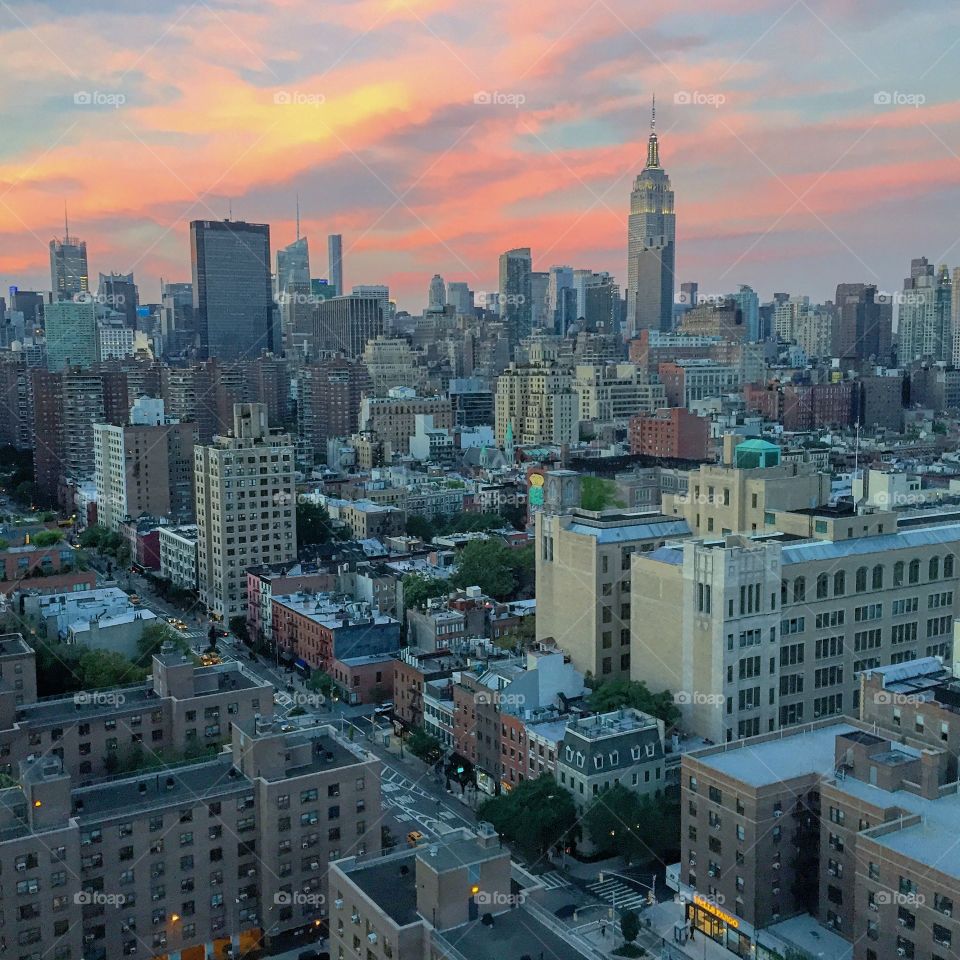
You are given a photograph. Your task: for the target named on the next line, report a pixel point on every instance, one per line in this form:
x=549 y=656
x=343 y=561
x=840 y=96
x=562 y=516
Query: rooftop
x=330 y=610
x=795 y=752
x=391 y=884
x=932 y=841
x=515 y=933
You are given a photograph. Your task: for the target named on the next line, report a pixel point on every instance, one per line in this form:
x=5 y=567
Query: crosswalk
x=554 y=880
x=618 y=894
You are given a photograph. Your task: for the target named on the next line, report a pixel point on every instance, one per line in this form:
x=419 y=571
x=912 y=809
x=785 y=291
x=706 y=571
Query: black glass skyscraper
x=232 y=299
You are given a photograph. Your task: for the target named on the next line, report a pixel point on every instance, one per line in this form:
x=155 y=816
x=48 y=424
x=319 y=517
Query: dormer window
x=598 y=761
x=651 y=749
x=614 y=758
x=635 y=753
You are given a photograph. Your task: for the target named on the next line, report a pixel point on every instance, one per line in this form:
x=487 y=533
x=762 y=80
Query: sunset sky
x=142 y=116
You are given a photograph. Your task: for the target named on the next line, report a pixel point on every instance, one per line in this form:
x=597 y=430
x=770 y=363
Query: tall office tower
x=30 y=304
x=177 y=324
x=69 y=274
x=144 y=467
x=749 y=303
x=293 y=296
x=335 y=262
x=688 y=294
x=232 y=295
x=580 y=280
x=924 y=329
x=601 y=300
x=651 y=245
x=460 y=297
x=540 y=318
x=344 y=325
x=864 y=326
x=516 y=294
x=329 y=395
x=437 y=294
x=246 y=507
x=955 y=318
x=118 y=291
x=559 y=278
x=71 y=329
x=567 y=313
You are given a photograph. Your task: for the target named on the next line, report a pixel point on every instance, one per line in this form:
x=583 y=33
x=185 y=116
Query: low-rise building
x=266 y=581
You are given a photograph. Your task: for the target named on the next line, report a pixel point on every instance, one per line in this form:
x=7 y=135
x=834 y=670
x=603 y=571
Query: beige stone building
x=753 y=634
x=583 y=582
x=723 y=498
x=616 y=392
x=537 y=401
x=246 y=508
x=392 y=420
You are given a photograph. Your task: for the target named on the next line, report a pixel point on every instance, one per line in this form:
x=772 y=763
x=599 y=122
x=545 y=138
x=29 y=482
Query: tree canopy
x=536 y=815
x=314 y=525
x=598 y=493
x=418 y=589
x=613 y=694
x=500 y=571
x=638 y=827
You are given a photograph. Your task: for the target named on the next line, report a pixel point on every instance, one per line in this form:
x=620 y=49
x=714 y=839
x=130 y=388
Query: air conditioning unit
x=873 y=907
x=776 y=889
x=243 y=896
x=712 y=873
x=832 y=871
x=901 y=952
x=355 y=918
x=315 y=865
x=372 y=937
x=776 y=865
x=338 y=903
x=901 y=921
x=21 y=867
x=778 y=813
x=947 y=912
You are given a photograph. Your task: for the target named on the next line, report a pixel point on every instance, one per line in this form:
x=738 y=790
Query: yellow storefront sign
x=710 y=907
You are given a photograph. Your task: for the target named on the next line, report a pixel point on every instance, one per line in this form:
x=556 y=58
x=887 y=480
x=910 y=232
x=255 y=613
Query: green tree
x=106 y=668
x=238 y=627
x=536 y=815
x=422 y=745
x=522 y=637
x=598 y=493
x=487 y=564
x=635 y=826
x=420 y=527
x=613 y=694
x=313 y=524
x=418 y=589
x=46 y=538
x=153 y=637
x=629 y=925
x=92 y=538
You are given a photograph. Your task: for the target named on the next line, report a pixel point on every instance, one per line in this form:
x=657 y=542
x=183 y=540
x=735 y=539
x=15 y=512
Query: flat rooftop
x=392 y=884
x=179 y=786
x=797 y=753
x=515 y=933
x=326 y=753
x=453 y=854
x=86 y=703
x=932 y=842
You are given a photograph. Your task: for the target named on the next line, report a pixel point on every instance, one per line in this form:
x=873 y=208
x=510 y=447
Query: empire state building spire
x=653 y=147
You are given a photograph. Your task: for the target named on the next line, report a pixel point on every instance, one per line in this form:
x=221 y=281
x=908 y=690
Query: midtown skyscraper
x=864 y=327
x=516 y=292
x=232 y=296
x=651 y=245
x=69 y=274
x=924 y=329
x=335 y=265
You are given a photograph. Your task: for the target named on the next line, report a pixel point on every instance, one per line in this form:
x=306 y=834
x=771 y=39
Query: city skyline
x=784 y=135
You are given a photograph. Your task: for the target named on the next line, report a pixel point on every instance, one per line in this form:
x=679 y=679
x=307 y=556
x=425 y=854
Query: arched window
x=933 y=569
x=948 y=565
x=784 y=599
x=878 y=577
x=898 y=574
x=823 y=582
x=799 y=589
x=839 y=583
x=861 y=580
x=913 y=573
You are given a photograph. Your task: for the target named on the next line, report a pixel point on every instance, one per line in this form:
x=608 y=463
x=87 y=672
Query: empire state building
x=651 y=244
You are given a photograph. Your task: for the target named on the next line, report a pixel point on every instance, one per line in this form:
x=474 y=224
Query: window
x=799 y=589
x=823 y=584
x=839 y=583
x=877 y=583
x=913 y=572
x=933 y=569
x=860 y=582
x=948 y=565
x=898 y=574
